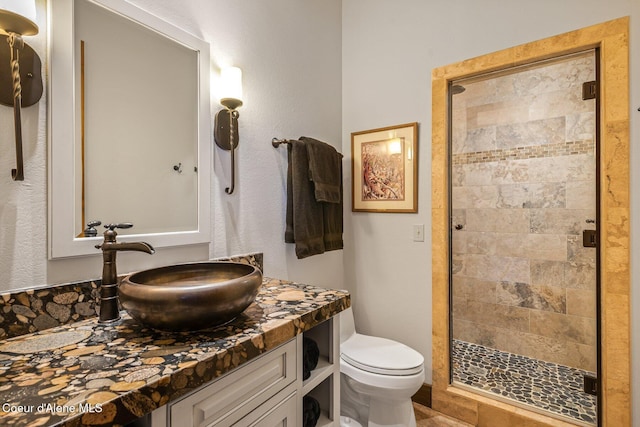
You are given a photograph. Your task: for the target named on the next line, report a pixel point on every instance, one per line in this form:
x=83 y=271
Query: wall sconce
x=17 y=19
x=226 y=121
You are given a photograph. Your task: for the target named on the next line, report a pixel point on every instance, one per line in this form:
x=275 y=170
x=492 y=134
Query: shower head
x=456 y=89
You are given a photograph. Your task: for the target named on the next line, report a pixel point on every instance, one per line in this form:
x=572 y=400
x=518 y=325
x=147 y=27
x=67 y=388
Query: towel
x=314 y=226
x=325 y=170
x=310 y=356
x=310 y=411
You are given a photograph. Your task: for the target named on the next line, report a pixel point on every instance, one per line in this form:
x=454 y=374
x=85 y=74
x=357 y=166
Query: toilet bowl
x=378 y=376
x=348 y=422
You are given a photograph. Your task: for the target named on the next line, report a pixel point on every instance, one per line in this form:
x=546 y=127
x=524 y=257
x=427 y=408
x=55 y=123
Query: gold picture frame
x=384 y=169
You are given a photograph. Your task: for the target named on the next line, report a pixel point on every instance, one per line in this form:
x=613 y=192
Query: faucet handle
x=121 y=225
x=90 y=231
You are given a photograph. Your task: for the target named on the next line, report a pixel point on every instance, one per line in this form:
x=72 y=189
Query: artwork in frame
x=384 y=168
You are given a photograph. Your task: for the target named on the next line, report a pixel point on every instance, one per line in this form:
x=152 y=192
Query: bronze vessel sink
x=190 y=297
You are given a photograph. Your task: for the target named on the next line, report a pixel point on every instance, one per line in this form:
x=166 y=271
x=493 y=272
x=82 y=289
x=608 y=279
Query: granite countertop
x=111 y=374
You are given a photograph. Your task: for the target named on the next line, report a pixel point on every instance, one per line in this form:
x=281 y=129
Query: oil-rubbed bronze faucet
x=109 y=287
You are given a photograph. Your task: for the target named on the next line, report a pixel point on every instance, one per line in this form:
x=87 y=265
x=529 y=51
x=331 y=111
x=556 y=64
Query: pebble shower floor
x=548 y=386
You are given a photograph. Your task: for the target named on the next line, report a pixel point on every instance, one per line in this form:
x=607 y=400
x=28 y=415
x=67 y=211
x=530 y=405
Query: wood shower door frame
x=612 y=40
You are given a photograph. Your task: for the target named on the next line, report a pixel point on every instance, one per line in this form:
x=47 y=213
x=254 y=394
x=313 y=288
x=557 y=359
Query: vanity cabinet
x=267 y=391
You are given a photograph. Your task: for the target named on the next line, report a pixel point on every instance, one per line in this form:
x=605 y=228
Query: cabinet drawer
x=271 y=414
x=229 y=398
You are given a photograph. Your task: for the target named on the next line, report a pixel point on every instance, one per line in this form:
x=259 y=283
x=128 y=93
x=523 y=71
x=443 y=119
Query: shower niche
x=523 y=156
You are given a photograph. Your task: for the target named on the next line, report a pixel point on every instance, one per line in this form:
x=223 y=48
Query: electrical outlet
x=418 y=232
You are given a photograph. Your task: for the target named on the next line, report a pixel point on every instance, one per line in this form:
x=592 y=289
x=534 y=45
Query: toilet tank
x=347 y=324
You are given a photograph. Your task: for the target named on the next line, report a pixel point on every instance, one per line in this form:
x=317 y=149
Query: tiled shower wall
x=523 y=190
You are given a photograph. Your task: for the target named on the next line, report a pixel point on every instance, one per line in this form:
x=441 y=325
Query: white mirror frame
x=61 y=130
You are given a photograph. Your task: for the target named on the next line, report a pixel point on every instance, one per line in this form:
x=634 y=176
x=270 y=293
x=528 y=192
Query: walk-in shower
x=524 y=270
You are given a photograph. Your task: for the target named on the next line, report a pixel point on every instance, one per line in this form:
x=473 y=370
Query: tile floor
x=548 y=386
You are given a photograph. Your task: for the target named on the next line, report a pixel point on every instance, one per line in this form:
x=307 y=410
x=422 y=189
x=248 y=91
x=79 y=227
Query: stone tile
x=510 y=172
x=580 y=275
x=474 y=197
x=532 y=246
x=557 y=103
x=533 y=195
x=473 y=174
x=458 y=123
x=581 y=356
x=502 y=220
x=532 y=345
x=541 y=384
x=478 y=139
x=579 y=167
x=489 y=336
x=559 y=221
x=458 y=263
x=545 y=272
x=459 y=217
x=539 y=297
x=577 y=253
x=572 y=328
x=460 y=286
x=494 y=268
x=460 y=308
x=482 y=290
x=537 y=132
x=581 y=127
x=497 y=113
x=581 y=194
x=459 y=242
x=471 y=288
x=479 y=242
x=581 y=302
x=502 y=316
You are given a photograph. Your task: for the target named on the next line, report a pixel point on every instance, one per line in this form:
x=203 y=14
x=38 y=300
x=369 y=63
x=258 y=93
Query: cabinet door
x=283 y=414
x=230 y=398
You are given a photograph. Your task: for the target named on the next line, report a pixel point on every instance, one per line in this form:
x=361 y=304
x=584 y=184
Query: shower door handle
x=589 y=238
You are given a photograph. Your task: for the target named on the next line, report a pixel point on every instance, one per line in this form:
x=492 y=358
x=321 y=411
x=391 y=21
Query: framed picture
x=384 y=168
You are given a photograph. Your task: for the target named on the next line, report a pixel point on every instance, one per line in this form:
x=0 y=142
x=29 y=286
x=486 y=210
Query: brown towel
x=315 y=227
x=325 y=170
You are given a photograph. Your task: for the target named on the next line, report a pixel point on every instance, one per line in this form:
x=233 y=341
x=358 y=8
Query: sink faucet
x=109 y=287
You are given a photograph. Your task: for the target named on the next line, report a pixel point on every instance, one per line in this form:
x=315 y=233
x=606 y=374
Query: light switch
x=418 y=232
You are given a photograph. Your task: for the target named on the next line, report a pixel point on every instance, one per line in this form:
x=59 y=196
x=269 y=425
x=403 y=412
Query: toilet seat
x=381 y=356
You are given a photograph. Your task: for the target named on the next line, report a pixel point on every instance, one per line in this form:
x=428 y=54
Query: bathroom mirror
x=129 y=127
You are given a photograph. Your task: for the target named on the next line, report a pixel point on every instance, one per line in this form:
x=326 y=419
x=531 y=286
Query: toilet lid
x=381 y=356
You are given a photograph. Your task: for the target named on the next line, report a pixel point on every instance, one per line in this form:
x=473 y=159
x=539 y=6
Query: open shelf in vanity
x=324 y=382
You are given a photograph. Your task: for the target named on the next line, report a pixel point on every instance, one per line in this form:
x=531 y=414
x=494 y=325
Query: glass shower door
x=524 y=203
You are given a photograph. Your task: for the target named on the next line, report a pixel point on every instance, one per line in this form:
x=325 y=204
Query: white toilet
x=378 y=377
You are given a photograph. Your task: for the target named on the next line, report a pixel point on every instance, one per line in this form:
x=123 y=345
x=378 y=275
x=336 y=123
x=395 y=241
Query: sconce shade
x=395 y=146
x=231 y=87
x=18 y=16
